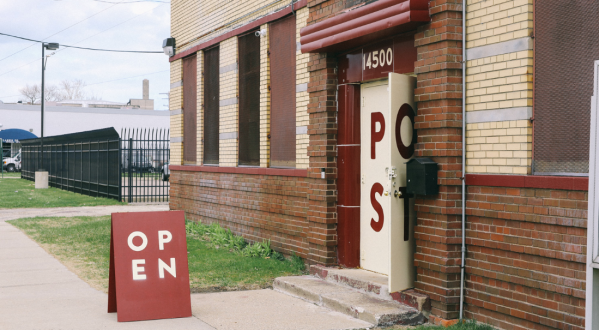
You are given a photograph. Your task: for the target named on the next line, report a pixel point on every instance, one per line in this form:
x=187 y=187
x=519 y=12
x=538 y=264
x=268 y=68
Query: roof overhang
x=363 y=25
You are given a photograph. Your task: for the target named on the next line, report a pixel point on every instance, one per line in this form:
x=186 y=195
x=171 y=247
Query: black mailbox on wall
x=422 y=177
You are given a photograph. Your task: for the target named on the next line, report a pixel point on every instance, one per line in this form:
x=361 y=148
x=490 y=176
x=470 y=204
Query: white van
x=12 y=164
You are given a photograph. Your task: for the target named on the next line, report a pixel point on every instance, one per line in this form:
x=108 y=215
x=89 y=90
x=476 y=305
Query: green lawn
x=11 y=175
x=468 y=325
x=83 y=245
x=20 y=193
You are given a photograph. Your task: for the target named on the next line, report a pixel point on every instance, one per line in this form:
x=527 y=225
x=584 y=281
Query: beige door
x=386 y=214
x=375 y=158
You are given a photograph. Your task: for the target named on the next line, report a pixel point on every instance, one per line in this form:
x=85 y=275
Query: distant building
x=145 y=103
x=90 y=104
x=78 y=117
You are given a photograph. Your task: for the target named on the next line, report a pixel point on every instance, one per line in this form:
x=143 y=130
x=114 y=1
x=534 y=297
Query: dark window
x=566 y=46
x=282 y=97
x=211 y=105
x=249 y=100
x=190 y=105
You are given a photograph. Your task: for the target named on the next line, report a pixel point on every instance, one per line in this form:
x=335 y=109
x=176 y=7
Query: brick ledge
x=241 y=170
x=529 y=181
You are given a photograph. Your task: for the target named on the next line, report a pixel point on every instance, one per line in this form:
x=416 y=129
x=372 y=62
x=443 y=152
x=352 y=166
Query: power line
x=85 y=48
x=68 y=27
x=141 y=75
x=19 y=67
x=123 y=22
x=75 y=42
x=104 y=82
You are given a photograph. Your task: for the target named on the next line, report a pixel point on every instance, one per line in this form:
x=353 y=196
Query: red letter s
x=377 y=188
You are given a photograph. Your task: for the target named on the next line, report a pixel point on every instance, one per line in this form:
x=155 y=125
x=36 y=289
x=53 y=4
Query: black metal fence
x=85 y=163
x=143 y=156
x=101 y=163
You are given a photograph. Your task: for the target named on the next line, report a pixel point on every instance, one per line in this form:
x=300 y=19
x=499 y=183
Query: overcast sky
x=111 y=76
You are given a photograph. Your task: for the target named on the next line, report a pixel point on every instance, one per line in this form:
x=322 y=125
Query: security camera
x=260 y=33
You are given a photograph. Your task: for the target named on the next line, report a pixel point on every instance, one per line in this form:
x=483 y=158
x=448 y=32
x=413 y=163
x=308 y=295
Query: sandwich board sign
x=149 y=275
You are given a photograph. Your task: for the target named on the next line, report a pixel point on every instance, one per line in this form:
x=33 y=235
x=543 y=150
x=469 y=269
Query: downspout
x=463 y=264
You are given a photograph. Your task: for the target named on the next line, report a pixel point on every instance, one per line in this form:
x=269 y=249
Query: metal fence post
x=130 y=169
x=120 y=160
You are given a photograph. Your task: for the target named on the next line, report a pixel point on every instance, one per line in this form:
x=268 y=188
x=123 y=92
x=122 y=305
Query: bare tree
x=72 y=89
x=66 y=90
x=52 y=93
x=31 y=93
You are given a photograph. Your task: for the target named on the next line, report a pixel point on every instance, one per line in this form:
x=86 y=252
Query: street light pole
x=49 y=46
x=43 y=81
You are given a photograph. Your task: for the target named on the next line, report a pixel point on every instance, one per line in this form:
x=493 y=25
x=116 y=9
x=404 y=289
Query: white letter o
x=143 y=244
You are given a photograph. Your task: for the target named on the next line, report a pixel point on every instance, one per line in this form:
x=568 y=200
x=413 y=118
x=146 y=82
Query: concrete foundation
x=41 y=180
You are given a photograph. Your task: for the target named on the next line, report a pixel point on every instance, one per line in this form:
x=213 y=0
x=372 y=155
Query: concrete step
x=349 y=301
x=373 y=284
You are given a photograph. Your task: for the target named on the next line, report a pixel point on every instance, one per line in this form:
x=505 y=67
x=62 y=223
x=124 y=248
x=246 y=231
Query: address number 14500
x=376 y=58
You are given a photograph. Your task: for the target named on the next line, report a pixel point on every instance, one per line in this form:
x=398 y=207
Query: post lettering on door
x=149 y=276
x=377 y=133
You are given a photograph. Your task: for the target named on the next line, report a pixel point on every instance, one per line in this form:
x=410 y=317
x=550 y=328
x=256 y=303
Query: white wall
x=64 y=120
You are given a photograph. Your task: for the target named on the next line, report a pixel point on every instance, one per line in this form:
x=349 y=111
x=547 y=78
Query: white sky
x=143 y=26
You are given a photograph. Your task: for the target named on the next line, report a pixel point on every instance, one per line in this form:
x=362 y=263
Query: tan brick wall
x=202 y=21
x=185 y=16
x=499 y=147
x=176 y=154
x=228 y=114
x=301 y=100
x=175 y=103
x=499 y=83
x=264 y=99
x=493 y=21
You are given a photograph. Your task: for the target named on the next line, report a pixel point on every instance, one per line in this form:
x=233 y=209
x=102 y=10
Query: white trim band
x=485 y=116
x=226 y=102
x=176 y=112
x=506 y=47
x=227 y=136
x=228 y=68
x=177 y=84
x=301 y=130
x=177 y=139
x=301 y=88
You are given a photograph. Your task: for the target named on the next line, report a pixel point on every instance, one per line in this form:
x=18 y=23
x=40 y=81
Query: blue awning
x=15 y=135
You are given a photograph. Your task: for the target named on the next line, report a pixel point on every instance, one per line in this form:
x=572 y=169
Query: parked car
x=12 y=164
x=166 y=173
x=138 y=164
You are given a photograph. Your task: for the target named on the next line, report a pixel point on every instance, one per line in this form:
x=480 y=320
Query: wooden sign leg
x=111 y=277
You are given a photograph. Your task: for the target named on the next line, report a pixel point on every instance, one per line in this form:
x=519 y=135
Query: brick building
x=273 y=105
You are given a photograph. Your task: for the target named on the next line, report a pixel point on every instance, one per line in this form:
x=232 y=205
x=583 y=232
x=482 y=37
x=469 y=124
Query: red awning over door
x=363 y=25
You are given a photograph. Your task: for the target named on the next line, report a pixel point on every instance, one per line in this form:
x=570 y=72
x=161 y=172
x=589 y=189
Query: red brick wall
x=322 y=149
x=526 y=257
x=259 y=207
x=439 y=129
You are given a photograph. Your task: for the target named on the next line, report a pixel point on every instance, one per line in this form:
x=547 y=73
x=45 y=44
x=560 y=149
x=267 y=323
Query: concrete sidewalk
x=38 y=292
x=87 y=211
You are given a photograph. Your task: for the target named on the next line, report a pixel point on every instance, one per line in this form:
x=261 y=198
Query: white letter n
x=172 y=269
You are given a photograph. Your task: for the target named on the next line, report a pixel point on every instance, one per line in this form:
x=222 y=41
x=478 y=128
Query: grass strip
x=11 y=175
x=467 y=325
x=21 y=193
x=82 y=244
